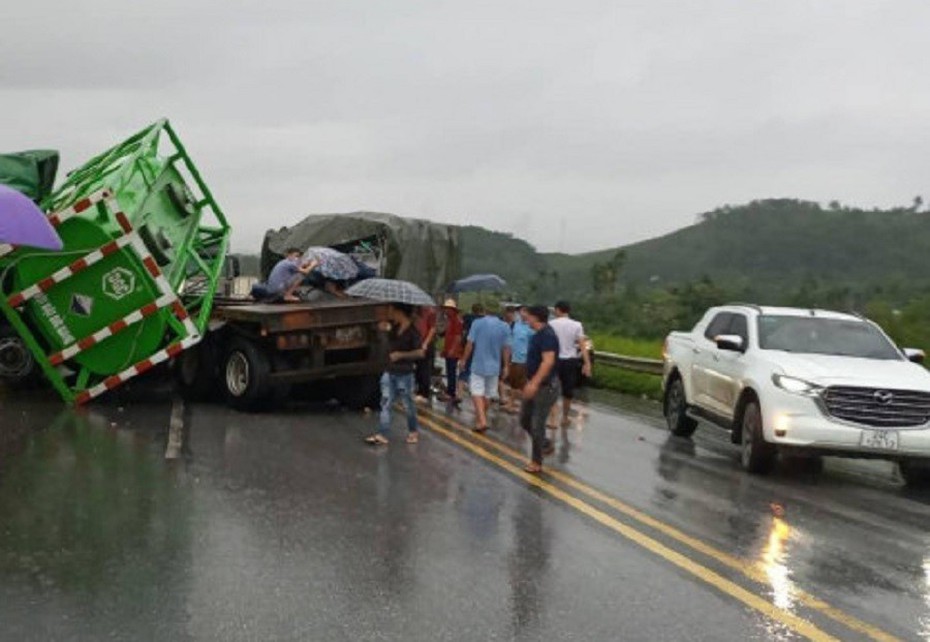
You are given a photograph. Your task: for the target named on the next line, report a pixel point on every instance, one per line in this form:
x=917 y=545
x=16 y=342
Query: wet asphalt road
x=286 y=526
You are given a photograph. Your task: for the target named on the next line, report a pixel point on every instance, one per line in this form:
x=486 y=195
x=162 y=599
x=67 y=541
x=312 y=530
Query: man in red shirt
x=453 y=346
x=426 y=326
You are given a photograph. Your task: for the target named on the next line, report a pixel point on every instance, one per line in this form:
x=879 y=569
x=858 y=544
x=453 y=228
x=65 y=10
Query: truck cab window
x=720 y=324
x=740 y=327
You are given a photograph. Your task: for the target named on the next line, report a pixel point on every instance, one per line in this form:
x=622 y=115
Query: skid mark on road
x=479 y=444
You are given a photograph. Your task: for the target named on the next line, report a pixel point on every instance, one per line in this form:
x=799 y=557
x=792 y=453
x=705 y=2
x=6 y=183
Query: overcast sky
x=576 y=125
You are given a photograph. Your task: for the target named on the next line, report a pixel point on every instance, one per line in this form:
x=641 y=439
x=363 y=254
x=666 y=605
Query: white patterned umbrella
x=391 y=291
x=333 y=264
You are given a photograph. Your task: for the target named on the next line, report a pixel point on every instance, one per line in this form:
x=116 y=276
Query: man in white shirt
x=574 y=360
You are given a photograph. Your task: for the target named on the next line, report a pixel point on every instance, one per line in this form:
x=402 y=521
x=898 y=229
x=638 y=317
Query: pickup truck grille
x=878 y=407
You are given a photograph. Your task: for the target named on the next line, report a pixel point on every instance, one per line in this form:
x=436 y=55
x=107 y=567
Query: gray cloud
x=579 y=125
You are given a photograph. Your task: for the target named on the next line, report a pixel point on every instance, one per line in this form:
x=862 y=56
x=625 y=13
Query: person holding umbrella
x=405 y=349
x=398 y=380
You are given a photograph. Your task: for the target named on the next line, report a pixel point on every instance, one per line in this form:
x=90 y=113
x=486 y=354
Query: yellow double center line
x=482 y=446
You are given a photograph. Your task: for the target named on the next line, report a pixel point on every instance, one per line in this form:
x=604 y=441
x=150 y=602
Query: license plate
x=879 y=439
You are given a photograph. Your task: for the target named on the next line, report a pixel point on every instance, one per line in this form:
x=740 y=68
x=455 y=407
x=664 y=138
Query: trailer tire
x=195 y=372
x=18 y=368
x=358 y=393
x=245 y=376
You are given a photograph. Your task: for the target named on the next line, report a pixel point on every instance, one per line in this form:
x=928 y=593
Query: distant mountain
x=764 y=245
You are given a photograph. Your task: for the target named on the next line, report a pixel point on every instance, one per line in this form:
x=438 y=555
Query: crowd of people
x=525 y=361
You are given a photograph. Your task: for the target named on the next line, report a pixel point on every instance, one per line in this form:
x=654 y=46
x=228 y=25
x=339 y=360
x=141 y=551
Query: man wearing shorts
x=573 y=352
x=488 y=346
x=520 y=333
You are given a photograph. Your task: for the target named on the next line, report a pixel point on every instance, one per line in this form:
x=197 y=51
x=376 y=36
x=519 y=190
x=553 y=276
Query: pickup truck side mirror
x=915 y=354
x=731 y=342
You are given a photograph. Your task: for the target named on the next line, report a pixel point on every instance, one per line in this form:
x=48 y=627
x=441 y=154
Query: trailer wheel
x=246 y=376
x=195 y=372
x=358 y=393
x=18 y=368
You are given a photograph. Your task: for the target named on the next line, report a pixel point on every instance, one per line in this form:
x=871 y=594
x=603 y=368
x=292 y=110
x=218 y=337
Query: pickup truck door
x=703 y=351
x=726 y=370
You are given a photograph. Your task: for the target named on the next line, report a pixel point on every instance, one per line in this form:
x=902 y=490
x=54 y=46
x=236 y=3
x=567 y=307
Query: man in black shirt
x=398 y=379
x=543 y=389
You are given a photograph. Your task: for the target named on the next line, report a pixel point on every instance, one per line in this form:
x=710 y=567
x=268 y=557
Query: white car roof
x=801 y=312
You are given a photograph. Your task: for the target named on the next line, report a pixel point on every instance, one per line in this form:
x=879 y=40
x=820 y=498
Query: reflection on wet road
x=285 y=526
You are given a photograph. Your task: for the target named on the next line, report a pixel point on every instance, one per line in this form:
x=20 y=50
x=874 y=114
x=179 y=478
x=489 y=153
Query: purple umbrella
x=23 y=223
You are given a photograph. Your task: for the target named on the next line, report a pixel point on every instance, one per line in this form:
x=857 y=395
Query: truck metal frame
x=255 y=351
x=113 y=188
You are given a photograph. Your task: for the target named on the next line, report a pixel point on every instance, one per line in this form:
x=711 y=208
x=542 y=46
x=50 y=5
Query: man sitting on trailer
x=286 y=276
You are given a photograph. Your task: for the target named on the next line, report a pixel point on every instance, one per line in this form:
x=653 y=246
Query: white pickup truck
x=805 y=382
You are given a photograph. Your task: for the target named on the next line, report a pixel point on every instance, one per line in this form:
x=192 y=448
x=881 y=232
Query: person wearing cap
x=452 y=347
x=542 y=389
x=574 y=359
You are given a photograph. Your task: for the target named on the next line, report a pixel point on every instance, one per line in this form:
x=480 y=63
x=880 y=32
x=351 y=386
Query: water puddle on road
x=78 y=497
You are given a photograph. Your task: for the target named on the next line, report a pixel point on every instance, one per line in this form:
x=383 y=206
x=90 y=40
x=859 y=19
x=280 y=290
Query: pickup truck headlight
x=795 y=385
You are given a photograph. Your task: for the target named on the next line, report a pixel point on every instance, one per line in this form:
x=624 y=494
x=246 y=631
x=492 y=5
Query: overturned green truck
x=144 y=247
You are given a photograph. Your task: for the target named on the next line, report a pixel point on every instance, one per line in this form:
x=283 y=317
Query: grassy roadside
x=632 y=383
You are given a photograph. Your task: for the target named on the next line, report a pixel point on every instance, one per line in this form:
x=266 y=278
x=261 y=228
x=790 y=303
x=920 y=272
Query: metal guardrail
x=635 y=364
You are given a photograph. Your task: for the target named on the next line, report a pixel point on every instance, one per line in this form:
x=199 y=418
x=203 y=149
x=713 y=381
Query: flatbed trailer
x=254 y=353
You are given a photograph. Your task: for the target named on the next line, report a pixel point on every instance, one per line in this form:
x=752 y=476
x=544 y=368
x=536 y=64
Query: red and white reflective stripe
x=114 y=328
x=6 y=248
x=116 y=380
x=57 y=218
x=80 y=265
x=121 y=218
x=162 y=284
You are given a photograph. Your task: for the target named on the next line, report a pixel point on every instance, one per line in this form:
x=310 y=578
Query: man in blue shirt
x=520 y=333
x=543 y=389
x=287 y=275
x=488 y=346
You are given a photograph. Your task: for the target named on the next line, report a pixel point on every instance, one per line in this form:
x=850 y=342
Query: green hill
x=764 y=247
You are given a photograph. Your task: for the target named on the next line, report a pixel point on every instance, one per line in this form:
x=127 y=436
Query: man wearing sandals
x=398 y=380
x=488 y=347
x=543 y=389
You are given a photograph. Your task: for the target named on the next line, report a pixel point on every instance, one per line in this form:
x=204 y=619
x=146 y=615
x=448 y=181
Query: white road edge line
x=175 y=429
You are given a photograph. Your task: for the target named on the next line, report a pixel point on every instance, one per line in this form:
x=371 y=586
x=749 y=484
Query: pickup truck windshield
x=813 y=335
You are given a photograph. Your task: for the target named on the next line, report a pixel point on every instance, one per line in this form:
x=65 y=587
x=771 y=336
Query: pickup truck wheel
x=916 y=473
x=676 y=410
x=245 y=376
x=758 y=456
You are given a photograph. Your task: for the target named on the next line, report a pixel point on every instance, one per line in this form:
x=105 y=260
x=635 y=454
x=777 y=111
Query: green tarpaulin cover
x=30 y=172
x=415 y=250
